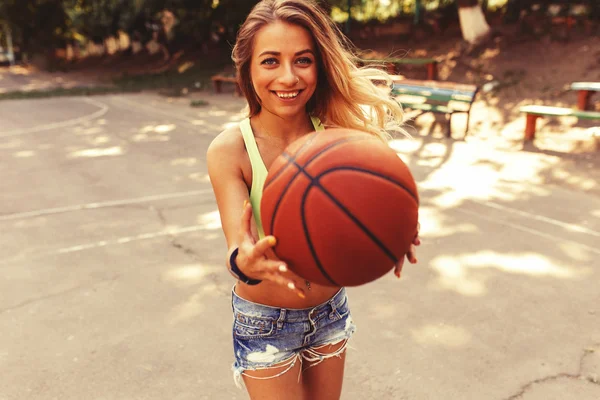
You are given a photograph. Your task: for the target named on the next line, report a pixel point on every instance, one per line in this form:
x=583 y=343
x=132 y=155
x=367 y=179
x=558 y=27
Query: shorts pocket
x=246 y=326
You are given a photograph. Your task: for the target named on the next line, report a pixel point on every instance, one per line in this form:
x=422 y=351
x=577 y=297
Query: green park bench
x=439 y=97
x=534 y=112
x=391 y=64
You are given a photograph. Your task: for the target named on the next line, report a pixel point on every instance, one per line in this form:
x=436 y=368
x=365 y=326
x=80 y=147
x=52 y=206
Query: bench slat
x=594 y=86
x=436 y=94
x=559 y=112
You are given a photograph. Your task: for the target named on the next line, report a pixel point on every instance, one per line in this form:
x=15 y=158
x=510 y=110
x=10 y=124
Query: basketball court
x=114 y=286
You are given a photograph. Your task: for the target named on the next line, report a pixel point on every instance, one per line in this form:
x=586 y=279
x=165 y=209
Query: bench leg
x=217 y=86
x=432 y=71
x=468 y=119
x=530 y=127
x=583 y=99
x=449 y=125
x=238 y=91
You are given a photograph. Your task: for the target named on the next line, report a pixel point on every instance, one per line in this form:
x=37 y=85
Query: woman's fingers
x=277 y=277
x=412 y=254
x=262 y=246
x=398 y=267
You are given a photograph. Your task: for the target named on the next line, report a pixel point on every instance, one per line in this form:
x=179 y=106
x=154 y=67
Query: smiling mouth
x=287 y=95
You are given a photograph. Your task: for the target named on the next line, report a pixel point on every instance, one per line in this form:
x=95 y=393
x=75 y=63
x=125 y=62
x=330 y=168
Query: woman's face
x=284 y=68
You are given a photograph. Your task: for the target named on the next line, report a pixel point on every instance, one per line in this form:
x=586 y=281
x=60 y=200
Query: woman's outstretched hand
x=411 y=255
x=253 y=260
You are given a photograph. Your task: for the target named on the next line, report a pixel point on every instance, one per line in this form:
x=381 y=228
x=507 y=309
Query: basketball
x=342 y=205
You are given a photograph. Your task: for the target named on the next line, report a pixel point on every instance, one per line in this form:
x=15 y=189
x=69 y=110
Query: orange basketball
x=342 y=205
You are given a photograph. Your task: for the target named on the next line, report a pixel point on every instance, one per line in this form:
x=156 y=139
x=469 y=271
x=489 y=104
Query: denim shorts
x=265 y=336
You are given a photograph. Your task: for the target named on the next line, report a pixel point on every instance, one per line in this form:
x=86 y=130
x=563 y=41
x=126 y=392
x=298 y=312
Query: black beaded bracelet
x=236 y=271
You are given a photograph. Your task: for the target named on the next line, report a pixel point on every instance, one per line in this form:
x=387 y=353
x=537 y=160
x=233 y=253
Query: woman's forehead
x=282 y=37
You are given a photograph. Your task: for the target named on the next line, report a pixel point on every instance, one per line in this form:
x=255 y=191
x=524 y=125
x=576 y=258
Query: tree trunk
x=473 y=25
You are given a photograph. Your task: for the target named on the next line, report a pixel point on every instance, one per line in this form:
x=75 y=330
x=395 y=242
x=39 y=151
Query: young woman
x=296 y=72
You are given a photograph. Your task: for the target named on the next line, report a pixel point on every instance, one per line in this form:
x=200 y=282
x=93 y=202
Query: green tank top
x=259 y=170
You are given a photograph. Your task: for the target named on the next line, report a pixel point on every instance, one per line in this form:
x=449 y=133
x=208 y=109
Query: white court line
x=155 y=110
x=529 y=230
x=128 y=239
x=104 y=243
x=62 y=124
x=566 y=225
x=105 y=204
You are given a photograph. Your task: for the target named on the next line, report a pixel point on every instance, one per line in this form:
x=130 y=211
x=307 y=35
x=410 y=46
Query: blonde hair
x=345 y=95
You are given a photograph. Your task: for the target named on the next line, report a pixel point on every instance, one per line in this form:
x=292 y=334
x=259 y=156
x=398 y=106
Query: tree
x=473 y=25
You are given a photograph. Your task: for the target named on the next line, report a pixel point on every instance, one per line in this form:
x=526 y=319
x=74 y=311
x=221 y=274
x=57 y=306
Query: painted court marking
x=537 y=217
x=529 y=230
x=105 y=204
x=62 y=124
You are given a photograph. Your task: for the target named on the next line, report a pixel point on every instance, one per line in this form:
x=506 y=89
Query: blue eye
x=304 y=60
x=269 y=61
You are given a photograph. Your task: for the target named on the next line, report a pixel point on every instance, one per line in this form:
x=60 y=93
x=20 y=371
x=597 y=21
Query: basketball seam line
x=292 y=161
x=293 y=157
x=366 y=171
x=361 y=226
x=349 y=214
x=309 y=241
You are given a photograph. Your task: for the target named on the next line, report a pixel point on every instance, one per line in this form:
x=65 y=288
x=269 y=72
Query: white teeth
x=287 y=95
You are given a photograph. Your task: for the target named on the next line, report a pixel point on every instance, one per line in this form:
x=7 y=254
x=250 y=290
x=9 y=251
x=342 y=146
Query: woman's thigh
x=323 y=380
x=282 y=381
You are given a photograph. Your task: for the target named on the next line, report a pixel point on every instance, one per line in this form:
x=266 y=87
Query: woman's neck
x=284 y=129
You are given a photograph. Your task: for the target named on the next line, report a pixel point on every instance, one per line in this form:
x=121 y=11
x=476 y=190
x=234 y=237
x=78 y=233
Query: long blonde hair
x=346 y=95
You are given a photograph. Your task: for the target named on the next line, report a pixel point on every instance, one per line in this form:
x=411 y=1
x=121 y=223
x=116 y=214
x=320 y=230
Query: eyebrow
x=277 y=53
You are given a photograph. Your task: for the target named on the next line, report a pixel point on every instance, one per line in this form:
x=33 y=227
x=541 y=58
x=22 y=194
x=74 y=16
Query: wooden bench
x=585 y=92
x=535 y=112
x=218 y=80
x=391 y=64
x=446 y=98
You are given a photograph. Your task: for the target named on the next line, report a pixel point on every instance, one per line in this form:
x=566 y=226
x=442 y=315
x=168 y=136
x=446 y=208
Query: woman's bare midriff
x=275 y=295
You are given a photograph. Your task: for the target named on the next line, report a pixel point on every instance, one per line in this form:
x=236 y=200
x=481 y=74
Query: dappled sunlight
x=192 y=308
x=459 y=171
x=100 y=140
x=434 y=224
x=210 y=220
x=164 y=128
x=455 y=272
x=80 y=130
x=217 y=113
x=188 y=162
x=442 y=335
x=187 y=275
x=199 y=177
x=24 y=154
x=90 y=153
x=154 y=133
x=11 y=144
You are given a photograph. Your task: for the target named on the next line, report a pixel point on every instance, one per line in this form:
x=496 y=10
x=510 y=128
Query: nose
x=288 y=76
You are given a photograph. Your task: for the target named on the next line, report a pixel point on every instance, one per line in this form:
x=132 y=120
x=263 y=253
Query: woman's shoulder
x=228 y=141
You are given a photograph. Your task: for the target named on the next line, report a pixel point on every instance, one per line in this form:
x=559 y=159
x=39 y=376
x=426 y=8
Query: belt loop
x=333 y=312
x=281 y=319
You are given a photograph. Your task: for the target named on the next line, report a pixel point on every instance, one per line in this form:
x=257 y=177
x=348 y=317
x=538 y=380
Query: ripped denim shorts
x=265 y=336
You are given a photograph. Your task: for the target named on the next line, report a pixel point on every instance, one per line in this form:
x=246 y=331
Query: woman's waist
x=273 y=297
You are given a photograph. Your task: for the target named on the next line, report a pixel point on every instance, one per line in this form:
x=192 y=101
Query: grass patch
x=175 y=82
x=198 y=103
